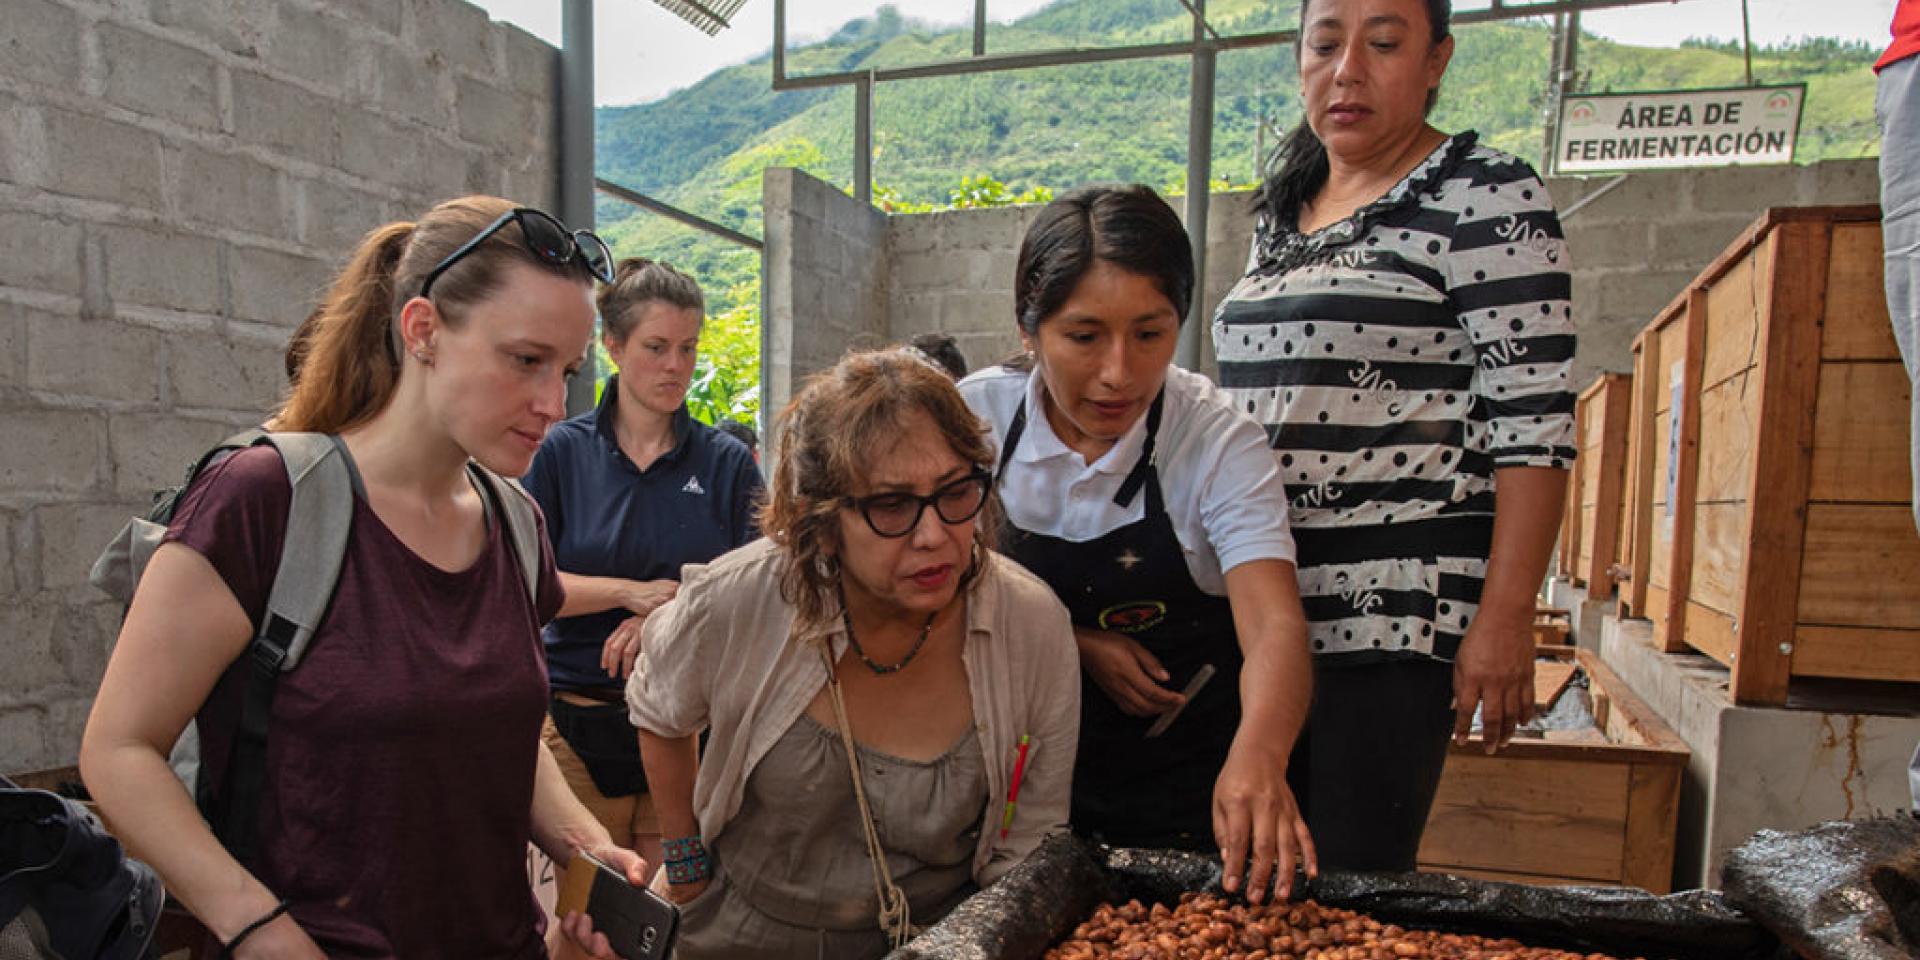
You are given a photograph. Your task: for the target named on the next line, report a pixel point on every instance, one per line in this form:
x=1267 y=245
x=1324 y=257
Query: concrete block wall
x=178 y=180
x=952 y=272
x=826 y=280
x=1634 y=248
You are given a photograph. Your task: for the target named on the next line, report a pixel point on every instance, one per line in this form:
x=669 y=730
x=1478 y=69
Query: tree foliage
x=1015 y=137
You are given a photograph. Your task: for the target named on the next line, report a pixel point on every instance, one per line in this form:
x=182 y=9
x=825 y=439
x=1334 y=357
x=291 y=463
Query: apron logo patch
x=1133 y=616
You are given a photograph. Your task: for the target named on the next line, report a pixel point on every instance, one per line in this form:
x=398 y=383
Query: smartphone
x=640 y=924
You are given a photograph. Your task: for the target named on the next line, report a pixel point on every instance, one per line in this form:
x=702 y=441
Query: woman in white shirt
x=1156 y=513
x=871 y=621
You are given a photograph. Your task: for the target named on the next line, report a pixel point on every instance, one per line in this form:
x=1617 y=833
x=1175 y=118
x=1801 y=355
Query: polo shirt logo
x=693 y=486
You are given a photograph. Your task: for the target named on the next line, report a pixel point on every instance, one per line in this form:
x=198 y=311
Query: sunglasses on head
x=546 y=237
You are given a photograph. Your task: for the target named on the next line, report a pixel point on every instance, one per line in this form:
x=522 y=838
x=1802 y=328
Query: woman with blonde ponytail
x=405 y=773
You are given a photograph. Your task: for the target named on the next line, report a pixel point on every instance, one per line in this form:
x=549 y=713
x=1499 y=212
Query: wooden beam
x=1686 y=472
x=1640 y=479
x=1611 y=404
x=1788 y=380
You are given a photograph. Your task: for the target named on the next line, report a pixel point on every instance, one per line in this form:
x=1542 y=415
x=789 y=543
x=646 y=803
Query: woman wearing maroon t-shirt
x=404 y=772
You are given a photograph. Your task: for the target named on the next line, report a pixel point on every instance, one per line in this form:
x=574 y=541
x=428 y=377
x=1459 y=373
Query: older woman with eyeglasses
x=893 y=708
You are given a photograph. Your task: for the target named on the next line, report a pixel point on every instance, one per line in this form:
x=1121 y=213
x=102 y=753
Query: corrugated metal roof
x=711 y=16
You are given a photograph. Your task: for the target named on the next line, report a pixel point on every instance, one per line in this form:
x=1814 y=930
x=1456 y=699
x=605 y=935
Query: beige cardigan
x=721 y=655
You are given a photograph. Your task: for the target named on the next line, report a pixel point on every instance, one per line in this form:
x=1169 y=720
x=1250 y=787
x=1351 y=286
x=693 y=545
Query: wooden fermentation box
x=1772 y=523
x=1590 y=538
x=1589 y=808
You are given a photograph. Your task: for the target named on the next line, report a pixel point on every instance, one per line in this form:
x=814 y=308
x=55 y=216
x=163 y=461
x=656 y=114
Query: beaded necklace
x=882 y=669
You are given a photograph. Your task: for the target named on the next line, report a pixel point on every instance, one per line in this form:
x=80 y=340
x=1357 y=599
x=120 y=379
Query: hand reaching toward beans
x=1258 y=825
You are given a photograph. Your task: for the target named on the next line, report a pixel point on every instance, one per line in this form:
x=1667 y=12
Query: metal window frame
x=574 y=118
x=1204 y=48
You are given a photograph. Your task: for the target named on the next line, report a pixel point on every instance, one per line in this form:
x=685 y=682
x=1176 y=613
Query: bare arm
x=672 y=765
x=1495 y=665
x=562 y=826
x=1255 y=814
x=182 y=631
x=594 y=594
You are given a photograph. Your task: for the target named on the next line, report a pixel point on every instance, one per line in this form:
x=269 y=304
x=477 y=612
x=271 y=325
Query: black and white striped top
x=1397 y=359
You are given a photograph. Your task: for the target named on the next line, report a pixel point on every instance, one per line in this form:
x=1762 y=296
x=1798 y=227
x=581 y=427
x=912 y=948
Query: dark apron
x=1129 y=790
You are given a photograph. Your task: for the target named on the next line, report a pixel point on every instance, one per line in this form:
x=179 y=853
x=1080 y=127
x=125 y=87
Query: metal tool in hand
x=1200 y=678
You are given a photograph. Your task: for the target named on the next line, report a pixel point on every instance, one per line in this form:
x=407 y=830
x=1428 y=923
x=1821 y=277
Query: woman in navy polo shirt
x=632 y=490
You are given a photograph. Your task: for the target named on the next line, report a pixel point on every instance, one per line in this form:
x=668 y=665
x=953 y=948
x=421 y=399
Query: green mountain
x=703 y=147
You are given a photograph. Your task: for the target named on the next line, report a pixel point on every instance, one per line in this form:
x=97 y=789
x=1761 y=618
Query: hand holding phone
x=638 y=923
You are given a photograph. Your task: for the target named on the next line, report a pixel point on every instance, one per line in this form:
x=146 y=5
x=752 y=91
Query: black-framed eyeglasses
x=546 y=237
x=896 y=514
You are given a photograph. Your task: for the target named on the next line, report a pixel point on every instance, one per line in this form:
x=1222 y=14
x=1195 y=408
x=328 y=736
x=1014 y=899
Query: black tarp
x=1043 y=899
x=1845 y=890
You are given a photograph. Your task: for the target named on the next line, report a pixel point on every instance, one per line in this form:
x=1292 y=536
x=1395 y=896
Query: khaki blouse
x=722 y=656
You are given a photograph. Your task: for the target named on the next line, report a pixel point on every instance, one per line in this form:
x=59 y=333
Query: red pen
x=1013 y=788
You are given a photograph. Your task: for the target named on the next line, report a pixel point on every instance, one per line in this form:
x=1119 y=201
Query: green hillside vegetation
x=1022 y=133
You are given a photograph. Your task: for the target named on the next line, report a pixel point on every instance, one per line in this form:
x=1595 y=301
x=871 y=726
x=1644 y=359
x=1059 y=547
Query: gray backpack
x=324 y=483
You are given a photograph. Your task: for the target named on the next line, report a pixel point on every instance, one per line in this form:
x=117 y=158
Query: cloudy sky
x=643 y=53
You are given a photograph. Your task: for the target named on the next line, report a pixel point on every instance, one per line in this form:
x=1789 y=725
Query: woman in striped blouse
x=1405 y=336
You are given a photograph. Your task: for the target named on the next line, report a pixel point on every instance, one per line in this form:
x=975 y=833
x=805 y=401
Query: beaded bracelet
x=687 y=860
x=692 y=870
x=683 y=848
x=248 y=930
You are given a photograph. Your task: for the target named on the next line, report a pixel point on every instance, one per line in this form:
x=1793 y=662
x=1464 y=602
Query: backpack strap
x=118 y=568
x=323 y=483
x=220 y=451
x=516 y=509
x=318 y=522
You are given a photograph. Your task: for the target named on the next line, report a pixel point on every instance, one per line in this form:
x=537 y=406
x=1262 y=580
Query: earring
x=424 y=357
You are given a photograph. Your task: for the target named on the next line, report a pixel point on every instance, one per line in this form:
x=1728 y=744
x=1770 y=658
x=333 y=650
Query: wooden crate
x=1596 y=494
x=1593 y=809
x=1551 y=626
x=1768 y=463
x=1660 y=460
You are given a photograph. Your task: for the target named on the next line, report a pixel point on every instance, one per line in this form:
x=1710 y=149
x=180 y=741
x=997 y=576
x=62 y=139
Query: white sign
x=1676 y=387
x=1687 y=128
x=544 y=877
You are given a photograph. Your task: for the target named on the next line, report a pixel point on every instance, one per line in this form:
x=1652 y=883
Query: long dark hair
x=1130 y=227
x=1297 y=168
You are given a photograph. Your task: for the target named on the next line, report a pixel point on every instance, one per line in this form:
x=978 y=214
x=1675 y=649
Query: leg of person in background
x=1369 y=761
x=1913 y=780
x=614 y=813
x=1897 y=107
x=629 y=819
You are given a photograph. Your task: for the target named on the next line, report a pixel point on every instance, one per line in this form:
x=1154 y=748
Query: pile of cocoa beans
x=1208 y=927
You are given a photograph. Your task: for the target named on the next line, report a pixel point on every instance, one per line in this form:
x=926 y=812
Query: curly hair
x=829 y=436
